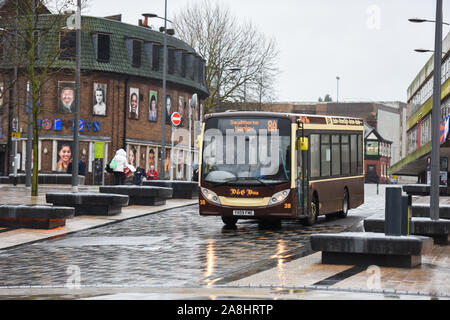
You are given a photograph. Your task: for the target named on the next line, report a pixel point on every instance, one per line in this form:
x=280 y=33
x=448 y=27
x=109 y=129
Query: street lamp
x=337 y=93
x=76 y=126
x=418 y=20
x=164 y=102
x=435 y=113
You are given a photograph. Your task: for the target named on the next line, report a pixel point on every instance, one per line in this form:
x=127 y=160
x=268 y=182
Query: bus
x=275 y=166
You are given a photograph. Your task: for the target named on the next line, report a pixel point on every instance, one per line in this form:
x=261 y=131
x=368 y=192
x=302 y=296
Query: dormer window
x=134 y=48
x=67 y=45
x=101 y=43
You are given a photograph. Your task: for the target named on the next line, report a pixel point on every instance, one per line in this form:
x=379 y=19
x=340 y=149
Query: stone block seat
x=181 y=189
x=367 y=248
x=34 y=216
x=424 y=190
x=45 y=178
x=141 y=195
x=420 y=226
x=423 y=210
x=89 y=203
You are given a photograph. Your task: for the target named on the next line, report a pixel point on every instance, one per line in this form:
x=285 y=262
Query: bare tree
x=228 y=44
x=30 y=36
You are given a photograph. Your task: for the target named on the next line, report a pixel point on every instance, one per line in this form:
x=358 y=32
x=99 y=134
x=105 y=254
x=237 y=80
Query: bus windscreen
x=244 y=150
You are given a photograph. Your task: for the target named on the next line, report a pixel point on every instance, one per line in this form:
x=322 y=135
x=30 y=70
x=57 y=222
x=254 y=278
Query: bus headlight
x=210 y=196
x=279 y=197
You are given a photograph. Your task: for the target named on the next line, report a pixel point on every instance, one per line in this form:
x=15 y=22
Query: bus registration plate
x=243 y=213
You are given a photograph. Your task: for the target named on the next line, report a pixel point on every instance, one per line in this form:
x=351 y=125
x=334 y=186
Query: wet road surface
x=171 y=248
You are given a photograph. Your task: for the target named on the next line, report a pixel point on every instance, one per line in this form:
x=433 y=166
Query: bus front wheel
x=230 y=221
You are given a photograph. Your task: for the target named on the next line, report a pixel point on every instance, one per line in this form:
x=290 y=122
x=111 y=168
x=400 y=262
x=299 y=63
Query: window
x=360 y=154
x=353 y=154
x=102 y=49
x=315 y=155
x=345 y=155
x=171 y=61
x=156 y=50
x=335 y=156
x=137 y=50
x=183 y=64
x=325 y=155
x=67 y=45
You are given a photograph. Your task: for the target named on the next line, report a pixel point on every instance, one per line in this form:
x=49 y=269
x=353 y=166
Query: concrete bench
x=101 y=204
x=45 y=178
x=141 y=195
x=366 y=248
x=420 y=226
x=424 y=190
x=181 y=189
x=34 y=216
x=423 y=210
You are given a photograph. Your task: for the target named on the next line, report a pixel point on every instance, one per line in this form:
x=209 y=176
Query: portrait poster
x=134 y=103
x=66 y=97
x=63 y=156
x=168 y=108
x=181 y=110
x=99 y=99
x=131 y=156
x=153 y=106
x=2 y=92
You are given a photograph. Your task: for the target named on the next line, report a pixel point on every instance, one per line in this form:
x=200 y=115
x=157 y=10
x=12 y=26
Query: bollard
x=405 y=217
x=393 y=211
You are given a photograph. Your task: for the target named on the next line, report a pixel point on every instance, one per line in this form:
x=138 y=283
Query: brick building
x=121 y=64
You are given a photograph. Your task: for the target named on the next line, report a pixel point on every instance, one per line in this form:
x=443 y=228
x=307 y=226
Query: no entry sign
x=176 y=118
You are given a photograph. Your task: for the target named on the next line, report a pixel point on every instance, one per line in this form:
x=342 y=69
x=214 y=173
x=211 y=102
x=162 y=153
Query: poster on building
x=181 y=110
x=66 y=97
x=99 y=99
x=153 y=106
x=64 y=156
x=372 y=148
x=134 y=104
x=168 y=108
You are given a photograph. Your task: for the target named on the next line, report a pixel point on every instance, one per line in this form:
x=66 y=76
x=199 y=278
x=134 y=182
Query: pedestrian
x=82 y=166
x=152 y=174
x=121 y=162
x=195 y=172
x=139 y=176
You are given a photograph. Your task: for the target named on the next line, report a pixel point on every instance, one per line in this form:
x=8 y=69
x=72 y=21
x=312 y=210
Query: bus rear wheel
x=314 y=212
x=229 y=221
x=343 y=213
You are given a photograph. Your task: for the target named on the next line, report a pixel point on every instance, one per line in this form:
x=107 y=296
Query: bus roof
x=292 y=116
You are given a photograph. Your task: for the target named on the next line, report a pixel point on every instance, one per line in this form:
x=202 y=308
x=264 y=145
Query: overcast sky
x=367 y=43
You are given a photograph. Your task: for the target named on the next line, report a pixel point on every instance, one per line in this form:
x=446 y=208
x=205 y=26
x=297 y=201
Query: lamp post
x=337 y=90
x=76 y=125
x=435 y=113
x=164 y=102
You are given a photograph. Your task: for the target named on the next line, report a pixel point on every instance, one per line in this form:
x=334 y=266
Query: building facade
x=418 y=124
x=121 y=101
x=377 y=156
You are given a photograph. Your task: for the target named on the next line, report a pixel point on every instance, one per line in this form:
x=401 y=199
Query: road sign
x=15 y=135
x=175 y=118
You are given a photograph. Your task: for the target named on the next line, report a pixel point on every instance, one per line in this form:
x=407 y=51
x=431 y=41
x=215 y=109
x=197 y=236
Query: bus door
x=302 y=180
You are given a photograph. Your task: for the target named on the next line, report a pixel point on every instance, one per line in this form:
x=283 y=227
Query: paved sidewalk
x=20 y=195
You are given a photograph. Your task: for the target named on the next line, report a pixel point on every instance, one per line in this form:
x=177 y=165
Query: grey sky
x=367 y=43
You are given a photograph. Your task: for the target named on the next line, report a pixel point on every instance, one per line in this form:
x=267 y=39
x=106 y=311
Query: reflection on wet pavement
x=171 y=248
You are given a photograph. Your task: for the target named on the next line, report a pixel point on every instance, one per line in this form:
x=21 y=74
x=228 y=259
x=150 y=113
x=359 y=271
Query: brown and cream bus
x=274 y=166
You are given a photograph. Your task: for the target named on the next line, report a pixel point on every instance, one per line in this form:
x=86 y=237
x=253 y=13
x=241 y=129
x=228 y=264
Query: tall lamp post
x=76 y=125
x=337 y=89
x=436 y=111
x=164 y=98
